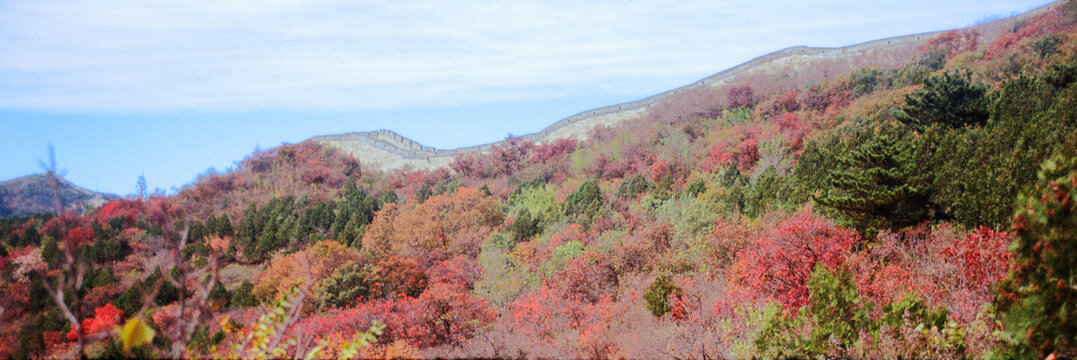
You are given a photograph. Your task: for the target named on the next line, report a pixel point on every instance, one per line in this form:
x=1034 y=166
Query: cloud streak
x=162 y=56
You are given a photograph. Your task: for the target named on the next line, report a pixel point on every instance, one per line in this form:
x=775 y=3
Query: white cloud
x=139 y=56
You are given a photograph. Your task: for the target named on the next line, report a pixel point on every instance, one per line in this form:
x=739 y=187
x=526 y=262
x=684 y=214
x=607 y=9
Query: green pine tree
x=949 y=99
x=877 y=187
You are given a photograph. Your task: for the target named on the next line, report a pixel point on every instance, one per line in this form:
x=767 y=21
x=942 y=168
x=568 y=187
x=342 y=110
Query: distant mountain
x=33 y=194
x=778 y=71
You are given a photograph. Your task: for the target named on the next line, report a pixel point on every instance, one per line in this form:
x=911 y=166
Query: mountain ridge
x=387 y=150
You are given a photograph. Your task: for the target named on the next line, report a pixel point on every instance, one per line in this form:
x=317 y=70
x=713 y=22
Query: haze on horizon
x=169 y=89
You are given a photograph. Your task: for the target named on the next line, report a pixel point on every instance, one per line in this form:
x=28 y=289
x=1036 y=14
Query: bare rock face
x=778 y=71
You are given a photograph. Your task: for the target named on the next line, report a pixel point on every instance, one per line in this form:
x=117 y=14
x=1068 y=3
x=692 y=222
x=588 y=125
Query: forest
x=926 y=211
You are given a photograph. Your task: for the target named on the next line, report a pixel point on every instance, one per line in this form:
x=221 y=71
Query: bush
x=243 y=297
x=345 y=286
x=778 y=265
x=658 y=294
x=585 y=203
x=1038 y=300
x=633 y=186
x=524 y=227
x=220 y=295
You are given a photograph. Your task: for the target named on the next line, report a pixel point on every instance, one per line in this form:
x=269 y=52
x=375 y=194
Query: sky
x=169 y=89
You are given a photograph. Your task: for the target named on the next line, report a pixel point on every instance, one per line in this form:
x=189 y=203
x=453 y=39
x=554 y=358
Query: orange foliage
x=442 y=226
x=311 y=265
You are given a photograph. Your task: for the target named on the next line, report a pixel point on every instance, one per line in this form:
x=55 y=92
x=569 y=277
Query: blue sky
x=172 y=88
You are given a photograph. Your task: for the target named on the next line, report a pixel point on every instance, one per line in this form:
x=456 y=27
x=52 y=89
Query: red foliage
x=443 y=314
x=891 y=282
x=1050 y=22
x=741 y=96
x=510 y=155
x=504 y=159
x=104 y=320
x=120 y=208
x=452 y=314
x=542 y=313
x=395 y=276
x=54 y=339
x=100 y=296
x=717 y=158
x=301 y=170
x=469 y=165
x=778 y=265
x=572 y=232
x=953 y=42
x=787 y=102
x=747 y=152
x=319 y=175
x=983 y=256
x=161 y=210
x=78 y=236
x=461 y=271
x=58 y=226
x=726 y=239
x=659 y=171
x=549 y=150
x=794 y=129
x=589 y=276
x=604 y=167
x=441 y=227
x=688 y=105
x=829 y=100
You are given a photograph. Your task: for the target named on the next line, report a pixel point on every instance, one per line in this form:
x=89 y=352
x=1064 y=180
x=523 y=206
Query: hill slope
x=781 y=70
x=31 y=194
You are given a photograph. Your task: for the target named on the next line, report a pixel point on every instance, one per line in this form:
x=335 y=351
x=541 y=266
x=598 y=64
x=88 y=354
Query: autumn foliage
x=866 y=215
x=778 y=264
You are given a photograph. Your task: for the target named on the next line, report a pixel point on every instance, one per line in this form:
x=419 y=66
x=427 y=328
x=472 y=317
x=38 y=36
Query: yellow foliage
x=134 y=333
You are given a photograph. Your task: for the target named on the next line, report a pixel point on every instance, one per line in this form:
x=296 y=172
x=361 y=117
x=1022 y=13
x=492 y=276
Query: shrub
x=632 y=187
x=242 y=296
x=778 y=265
x=1039 y=297
x=585 y=203
x=658 y=294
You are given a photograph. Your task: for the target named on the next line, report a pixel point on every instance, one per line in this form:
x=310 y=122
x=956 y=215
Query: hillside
x=917 y=200
x=775 y=72
x=32 y=194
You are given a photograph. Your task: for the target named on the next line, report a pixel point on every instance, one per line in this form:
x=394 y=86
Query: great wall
x=777 y=71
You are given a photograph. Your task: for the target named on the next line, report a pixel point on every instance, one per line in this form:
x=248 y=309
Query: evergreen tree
x=1038 y=301
x=223 y=227
x=354 y=211
x=220 y=295
x=877 y=187
x=242 y=297
x=633 y=186
x=584 y=203
x=949 y=100
x=524 y=226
